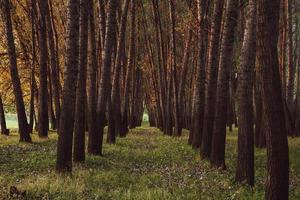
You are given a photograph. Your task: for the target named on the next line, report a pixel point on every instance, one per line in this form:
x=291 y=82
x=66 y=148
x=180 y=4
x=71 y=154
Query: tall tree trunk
x=115 y=96
x=80 y=112
x=66 y=122
x=211 y=78
x=53 y=65
x=43 y=87
x=198 y=102
x=297 y=107
x=130 y=66
x=245 y=161
x=277 y=145
x=291 y=67
x=177 y=120
x=10 y=41
x=92 y=84
x=226 y=57
x=32 y=75
x=104 y=87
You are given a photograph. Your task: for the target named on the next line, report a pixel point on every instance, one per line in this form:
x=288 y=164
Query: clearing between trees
x=145 y=165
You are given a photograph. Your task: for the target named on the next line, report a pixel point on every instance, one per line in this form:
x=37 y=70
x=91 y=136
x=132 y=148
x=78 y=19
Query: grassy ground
x=145 y=165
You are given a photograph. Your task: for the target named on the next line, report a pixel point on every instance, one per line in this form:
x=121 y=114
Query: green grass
x=145 y=165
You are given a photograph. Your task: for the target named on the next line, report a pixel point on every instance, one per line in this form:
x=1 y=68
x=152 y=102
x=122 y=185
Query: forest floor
x=145 y=165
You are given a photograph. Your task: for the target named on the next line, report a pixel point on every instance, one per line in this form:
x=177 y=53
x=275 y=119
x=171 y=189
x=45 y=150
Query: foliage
x=145 y=165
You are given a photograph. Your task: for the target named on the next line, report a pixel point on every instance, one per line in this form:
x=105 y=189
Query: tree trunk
x=115 y=96
x=92 y=85
x=245 y=161
x=198 y=107
x=4 y=130
x=53 y=66
x=217 y=158
x=211 y=78
x=177 y=120
x=277 y=145
x=130 y=66
x=80 y=112
x=104 y=88
x=66 y=122
x=10 y=41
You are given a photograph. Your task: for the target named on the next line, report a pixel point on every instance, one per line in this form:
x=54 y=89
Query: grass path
x=145 y=165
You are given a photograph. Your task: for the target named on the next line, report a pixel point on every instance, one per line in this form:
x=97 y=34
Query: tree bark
x=80 y=112
x=277 y=146
x=43 y=125
x=245 y=160
x=10 y=41
x=211 y=78
x=217 y=158
x=4 y=130
x=66 y=122
x=104 y=87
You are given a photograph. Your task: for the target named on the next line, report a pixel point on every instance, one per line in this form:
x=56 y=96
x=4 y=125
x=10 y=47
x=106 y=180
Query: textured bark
x=291 y=66
x=161 y=63
x=129 y=71
x=33 y=63
x=245 y=160
x=297 y=106
x=53 y=65
x=80 y=112
x=260 y=119
x=11 y=49
x=43 y=125
x=92 y=77
x=177 y=120
x=198 y=102
x=104 y=87
x=4 y=130
x=115 y=96
x=211 y=78
x=277 y=146
x=217 y=157
x=66 y=122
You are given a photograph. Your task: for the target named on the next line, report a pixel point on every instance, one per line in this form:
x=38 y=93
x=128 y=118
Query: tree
x=66 y=122
x=115 y=96
x=92 y=77
x=11 y=49
x=277 y=146
x=104 y=87
x=177 y=120
x=4 y=130
x=80 y=117
x=211 y=78
x=217 y=157
x=129 y=69
x=198 y=101
x=43 y=124
x=245 y=160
